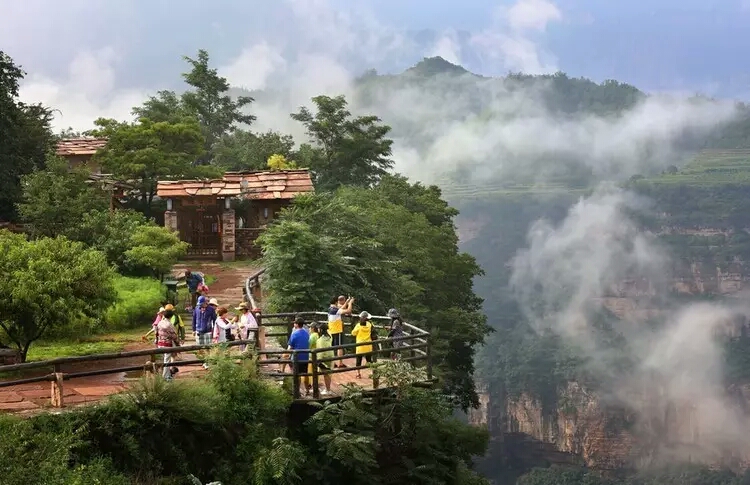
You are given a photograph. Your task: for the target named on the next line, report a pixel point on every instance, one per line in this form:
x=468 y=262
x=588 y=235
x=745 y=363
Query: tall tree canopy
x=208 y=102
x=244 y=150
x=392 y=245
x=25 y=136
x=55 y=199
x=345 y=150
x=146 y=151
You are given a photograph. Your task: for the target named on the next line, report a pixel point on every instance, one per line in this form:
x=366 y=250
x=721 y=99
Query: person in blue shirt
x=204 y=317
x=300 y=340
x=193 y=281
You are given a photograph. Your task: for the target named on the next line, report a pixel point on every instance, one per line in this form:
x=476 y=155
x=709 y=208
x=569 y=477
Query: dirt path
x=227 y=289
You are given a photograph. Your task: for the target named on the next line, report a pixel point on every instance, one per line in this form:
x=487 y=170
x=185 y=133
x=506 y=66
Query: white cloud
x=532 y=14
x=509 y=42
x=252 y=68
x=86 y=93
x=447 y=47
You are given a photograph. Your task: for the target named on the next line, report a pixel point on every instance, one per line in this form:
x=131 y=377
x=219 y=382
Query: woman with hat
x=362 y=333
x=246 y=323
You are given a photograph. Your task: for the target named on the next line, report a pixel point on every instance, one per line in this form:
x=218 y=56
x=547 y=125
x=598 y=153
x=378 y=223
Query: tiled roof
x=79 y=146
x=282 y=184
x=188 y=188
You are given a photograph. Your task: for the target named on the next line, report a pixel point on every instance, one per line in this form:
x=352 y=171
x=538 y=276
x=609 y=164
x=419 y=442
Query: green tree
x=279 y=162
x=146 y=151
x=244 y=150
x=55 y=199
x=395 y=257
x=345 y=150
x=409 y=436
x=306 y=266
x=25 y=137
x=154 y=248
x=132 y=244
x=166 y=106
x=209 y=101
x=49 y=283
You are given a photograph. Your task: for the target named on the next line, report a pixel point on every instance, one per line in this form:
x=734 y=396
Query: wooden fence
x=415 y=348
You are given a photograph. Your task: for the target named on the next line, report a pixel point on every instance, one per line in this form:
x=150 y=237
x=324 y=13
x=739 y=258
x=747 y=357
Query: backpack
x=229 y=335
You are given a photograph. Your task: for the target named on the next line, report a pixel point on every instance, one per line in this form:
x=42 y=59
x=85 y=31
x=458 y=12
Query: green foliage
x=146 y=151
x=154 y=248
x=56 y=199
x=244 y=150
x=25 y=136
x=279 y=162
x=136 y=304
x=210 y=102
x=237 y=429
x=306 y=267
x=49 y=283
x=345 y=150
x=391 y=246
x=409 y=437
x=35 y=453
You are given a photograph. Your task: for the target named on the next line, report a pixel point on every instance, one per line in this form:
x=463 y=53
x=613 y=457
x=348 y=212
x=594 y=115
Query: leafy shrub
x=137 y=302
x=154 y=249
x=39 y=451
x=135 y=245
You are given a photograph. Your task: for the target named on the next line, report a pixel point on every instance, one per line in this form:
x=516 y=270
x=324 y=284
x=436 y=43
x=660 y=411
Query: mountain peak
x=431 y=66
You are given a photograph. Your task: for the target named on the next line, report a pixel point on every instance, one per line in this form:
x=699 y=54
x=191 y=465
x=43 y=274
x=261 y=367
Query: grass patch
x=97 y=344
x=138 y=299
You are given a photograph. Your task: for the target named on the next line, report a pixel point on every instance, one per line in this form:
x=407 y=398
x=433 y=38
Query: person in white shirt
x=223 y=329
x=247 y=325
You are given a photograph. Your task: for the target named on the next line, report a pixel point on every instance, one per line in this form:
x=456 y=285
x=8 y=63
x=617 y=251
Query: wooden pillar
x=57 y=388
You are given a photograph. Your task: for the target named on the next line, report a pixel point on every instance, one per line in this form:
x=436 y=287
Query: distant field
x=711 y=167
x=470 y=191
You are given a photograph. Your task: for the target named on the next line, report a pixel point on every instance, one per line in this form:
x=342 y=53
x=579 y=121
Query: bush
x=39 y=451
x=138 y=299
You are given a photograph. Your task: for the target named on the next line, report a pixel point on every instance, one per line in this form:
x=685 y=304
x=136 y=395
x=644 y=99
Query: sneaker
x=205 y=366
x=324 y=392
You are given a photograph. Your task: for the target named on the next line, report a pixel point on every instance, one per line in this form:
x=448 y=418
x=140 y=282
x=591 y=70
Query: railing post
x=57 y=388
x=315 y=383
x=429 y=358
x=151 y=367
x=260 y=335
x=295 y=376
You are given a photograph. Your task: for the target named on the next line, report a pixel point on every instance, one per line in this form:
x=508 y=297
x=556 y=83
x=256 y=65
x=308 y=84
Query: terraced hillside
x=710 y=167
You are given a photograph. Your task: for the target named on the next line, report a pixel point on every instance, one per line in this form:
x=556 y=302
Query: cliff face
x=607 y=438
x=585 y=424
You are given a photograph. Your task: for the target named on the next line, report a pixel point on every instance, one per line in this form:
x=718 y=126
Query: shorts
x=301 y=367
x=336 y=339
x=368 y=358
x=323 y=366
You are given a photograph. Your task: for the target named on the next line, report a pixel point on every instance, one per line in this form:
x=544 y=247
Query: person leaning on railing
x=396 y=330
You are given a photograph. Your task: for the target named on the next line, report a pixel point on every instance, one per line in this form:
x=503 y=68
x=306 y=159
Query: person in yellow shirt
x=362 y=332
x=338 y=307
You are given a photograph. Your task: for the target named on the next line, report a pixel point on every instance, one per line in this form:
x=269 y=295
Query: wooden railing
x=415 y=348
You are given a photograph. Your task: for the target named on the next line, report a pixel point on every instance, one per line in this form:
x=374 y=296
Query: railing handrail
x=250 y=282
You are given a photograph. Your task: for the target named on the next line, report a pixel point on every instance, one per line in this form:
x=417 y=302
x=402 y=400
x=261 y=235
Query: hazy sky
x=97 y=57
